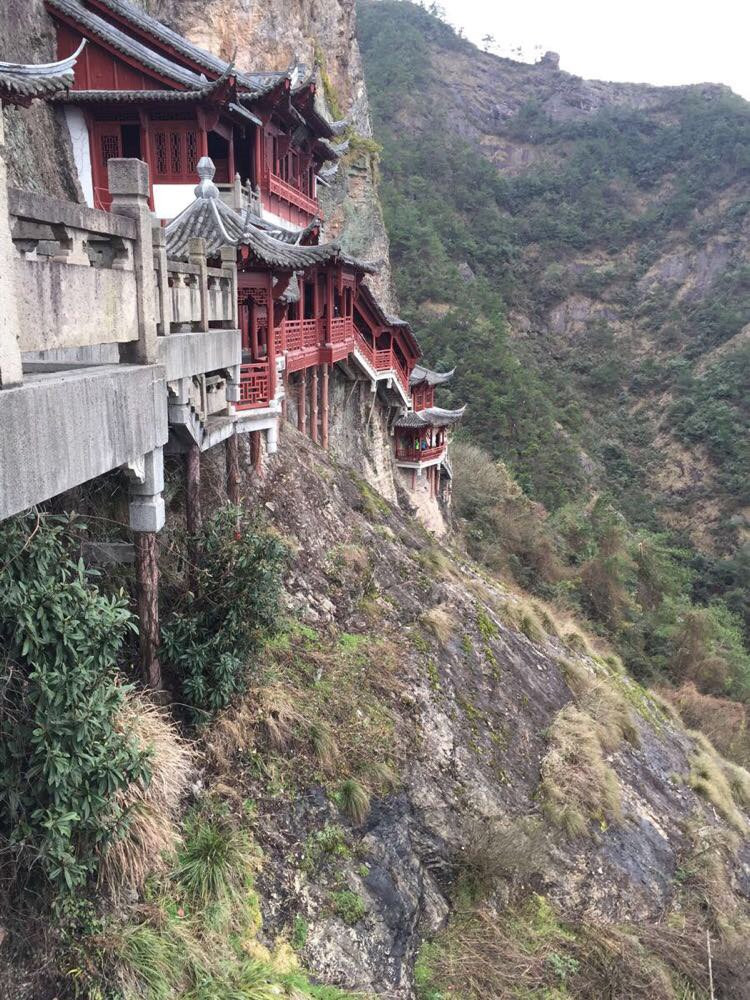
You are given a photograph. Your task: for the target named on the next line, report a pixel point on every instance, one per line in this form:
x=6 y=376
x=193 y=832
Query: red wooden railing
x=255 y=385
x=419 y=454
x=342 y=328
x=364 y=348
x=292 y=194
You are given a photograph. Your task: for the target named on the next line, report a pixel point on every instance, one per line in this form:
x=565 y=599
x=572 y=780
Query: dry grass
x=577 y=785
x=494 y=849
x=152 y=809
x=440 y=622
x=324 y=714
x=723 y=721
x=724 y=784
x=600 y=699
x=527 y=951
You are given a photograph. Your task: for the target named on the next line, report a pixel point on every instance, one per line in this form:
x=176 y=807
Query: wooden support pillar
x=285 y=387
x=314 y=404
x=302 y=406
x=324 y=405
x=147 y=592
x=193 y=506
x=256 y=456
x=232 y=447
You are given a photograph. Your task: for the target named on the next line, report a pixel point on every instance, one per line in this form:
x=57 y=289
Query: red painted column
x=314 y=404
x=271 y=340
x=324 y=404
x=302 y=406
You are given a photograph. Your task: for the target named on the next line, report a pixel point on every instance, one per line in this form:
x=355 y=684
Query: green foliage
x=604 y=193
x=214 y=862
x=63 y=759
x=214 y=630
x=354 y=800
x=349 y=906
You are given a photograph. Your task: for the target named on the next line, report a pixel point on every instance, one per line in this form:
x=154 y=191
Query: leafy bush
x=216 y=626
x=64 y=760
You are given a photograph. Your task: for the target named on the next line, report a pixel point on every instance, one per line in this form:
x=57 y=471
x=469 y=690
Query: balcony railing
x=292 y=195
x=364 y=348
x=419 y=454
x=342 y=329
x=255 y=386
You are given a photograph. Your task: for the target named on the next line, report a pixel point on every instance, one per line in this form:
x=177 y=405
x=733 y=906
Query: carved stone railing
x=193 y=296
x=74 y=274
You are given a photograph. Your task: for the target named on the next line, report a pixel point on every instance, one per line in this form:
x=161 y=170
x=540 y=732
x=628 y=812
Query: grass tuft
x=354 y=800
x=214 y=863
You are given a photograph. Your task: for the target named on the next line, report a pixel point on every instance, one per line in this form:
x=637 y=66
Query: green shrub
x=215 y=627
x=349 y=906
x=62 y=758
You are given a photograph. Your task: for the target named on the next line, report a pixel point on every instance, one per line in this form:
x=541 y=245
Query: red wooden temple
x=260 y=145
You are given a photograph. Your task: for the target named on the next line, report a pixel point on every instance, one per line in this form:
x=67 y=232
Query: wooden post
x=193 y=506
x=233 y=469
x=324 y=405
x=302 y=406
x=147 y=591
x=314 y=404
x=256 y=456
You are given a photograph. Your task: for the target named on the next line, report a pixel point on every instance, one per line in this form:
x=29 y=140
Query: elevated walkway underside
x=66 y=425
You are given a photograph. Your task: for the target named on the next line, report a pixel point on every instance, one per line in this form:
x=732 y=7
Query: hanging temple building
x=190 y=300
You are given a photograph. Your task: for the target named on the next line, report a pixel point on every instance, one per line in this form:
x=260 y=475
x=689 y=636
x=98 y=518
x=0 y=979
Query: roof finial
x=206 y=170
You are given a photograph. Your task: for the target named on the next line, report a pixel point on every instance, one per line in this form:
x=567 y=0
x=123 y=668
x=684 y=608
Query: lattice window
x=110 y=147
x=175 y=152
x=160 y=141
x=191 y=148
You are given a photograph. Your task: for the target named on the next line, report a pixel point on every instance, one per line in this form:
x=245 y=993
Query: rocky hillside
x=430 y=787
x=612 y=221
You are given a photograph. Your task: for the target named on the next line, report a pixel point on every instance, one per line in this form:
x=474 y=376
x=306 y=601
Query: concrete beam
x=186 y=354
x=60 y=429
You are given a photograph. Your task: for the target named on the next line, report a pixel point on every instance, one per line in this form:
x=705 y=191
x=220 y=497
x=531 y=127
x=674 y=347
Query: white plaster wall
x=171 y=199
x=79 y=137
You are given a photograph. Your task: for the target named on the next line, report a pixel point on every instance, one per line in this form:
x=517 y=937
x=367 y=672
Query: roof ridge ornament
x=206 y=171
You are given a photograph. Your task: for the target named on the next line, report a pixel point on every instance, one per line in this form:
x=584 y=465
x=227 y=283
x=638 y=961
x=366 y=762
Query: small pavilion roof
x=21 y=82
x=219 y=225
x=434 y=416
x=421 y=374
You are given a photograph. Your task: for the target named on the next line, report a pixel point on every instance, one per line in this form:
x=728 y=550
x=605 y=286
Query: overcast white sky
x=645 y=41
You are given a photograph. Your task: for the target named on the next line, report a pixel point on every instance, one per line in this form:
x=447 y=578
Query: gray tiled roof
x=422 y=374
x=219 y=225
x=126 y=44
x=434 y=416
x=137 y=17
x=21 y=82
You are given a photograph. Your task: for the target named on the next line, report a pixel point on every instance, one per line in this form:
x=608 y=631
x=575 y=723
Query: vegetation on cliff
x=612 y=248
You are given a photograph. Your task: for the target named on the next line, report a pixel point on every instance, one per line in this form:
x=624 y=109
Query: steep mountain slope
x=579 y=248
